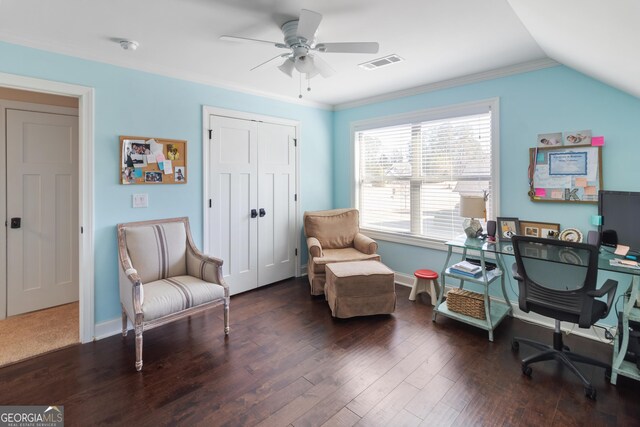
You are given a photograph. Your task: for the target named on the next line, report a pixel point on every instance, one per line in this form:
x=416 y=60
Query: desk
x=499 y=310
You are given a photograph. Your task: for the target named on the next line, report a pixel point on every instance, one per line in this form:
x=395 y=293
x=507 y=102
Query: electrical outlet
x=140 y=200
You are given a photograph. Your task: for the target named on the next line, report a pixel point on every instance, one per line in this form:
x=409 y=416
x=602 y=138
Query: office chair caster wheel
x=526 y=370
x=515 y=345
x=590 y=392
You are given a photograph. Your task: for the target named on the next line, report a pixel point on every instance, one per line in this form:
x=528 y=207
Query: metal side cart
x=495 y=311
x=630 y=312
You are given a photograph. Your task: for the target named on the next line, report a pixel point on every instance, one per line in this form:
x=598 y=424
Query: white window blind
x=410 y=174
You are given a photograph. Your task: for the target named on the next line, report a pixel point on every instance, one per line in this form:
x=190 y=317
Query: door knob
x=262 y=212
x=254 y=213
x=15 y=222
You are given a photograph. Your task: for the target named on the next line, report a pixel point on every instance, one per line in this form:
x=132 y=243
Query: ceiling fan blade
x=248 y=40
x=308 y=24
x=287 y=67
x=355 y=47
x=267 y=61
x=323 y=67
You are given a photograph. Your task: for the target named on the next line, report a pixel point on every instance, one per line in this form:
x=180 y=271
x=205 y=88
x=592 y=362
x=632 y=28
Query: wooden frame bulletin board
x=565 y=174
x=152 y=160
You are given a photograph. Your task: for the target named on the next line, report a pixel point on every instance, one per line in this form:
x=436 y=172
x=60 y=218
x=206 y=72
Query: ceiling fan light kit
x=299 y=38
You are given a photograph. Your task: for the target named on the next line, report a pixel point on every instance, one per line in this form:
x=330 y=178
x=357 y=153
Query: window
x=411 y=170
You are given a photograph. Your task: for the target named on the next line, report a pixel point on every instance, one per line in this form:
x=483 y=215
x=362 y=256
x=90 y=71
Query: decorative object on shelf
x=507 y=228
x=467 y=303
x=571 y=235
x=550 y=139
x=565 y=174
x=472 y=207
x=581 y=137
x=152 y=160
x=547 y=230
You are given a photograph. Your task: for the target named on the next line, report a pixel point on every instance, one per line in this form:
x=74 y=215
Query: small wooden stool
x=426 y=281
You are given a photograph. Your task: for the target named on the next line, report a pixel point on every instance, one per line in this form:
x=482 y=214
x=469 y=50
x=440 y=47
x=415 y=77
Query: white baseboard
x=113 y=327
x=303 y=270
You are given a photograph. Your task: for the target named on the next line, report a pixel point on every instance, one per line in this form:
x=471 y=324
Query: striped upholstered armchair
x=164 y=277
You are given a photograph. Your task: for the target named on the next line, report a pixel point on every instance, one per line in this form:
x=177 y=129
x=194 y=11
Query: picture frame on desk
x=547 y=230
x=506 y=228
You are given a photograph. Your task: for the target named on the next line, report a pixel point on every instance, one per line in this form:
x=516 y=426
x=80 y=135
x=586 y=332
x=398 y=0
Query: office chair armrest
x=514 y=271
x=609 y=289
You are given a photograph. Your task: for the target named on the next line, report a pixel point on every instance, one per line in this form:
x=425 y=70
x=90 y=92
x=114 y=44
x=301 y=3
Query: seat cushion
x=597 y=312
x=341 y=255
x=174 y=294
x=158 y=251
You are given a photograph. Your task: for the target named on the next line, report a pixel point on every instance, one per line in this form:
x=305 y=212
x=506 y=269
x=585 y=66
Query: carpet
x=31 y=334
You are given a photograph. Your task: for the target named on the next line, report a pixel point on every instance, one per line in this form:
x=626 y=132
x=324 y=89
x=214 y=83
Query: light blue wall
x=551 y=100
x=129 y=102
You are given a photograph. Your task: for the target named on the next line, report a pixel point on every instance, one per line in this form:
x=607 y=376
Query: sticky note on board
x=151 y=158
x=137 y=173
x=541 y=192
x=557 y=194
x=167 y=167
x=161 y=165
x=597 y=141
x=540 y=158
x=590 y=190
x=580 y=182
x=160 y=157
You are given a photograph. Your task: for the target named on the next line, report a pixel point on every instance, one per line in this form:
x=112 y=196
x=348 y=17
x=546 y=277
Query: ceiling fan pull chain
x=300 y=86
x=308 y=83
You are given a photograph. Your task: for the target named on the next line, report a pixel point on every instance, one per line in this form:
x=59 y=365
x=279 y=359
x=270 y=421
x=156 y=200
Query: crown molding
x=510 y=70
x=158 y=69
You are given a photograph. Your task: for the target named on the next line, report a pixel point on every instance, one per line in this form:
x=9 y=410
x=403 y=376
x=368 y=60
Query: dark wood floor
x=287 y=362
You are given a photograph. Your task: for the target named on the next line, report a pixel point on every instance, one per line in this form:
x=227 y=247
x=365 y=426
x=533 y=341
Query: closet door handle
x=254 y=213
x=262 y=212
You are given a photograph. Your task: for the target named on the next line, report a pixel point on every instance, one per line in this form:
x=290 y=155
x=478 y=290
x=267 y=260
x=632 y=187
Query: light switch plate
x=140 y=200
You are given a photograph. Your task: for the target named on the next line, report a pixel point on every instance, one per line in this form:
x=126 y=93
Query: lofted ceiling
x=438 y=39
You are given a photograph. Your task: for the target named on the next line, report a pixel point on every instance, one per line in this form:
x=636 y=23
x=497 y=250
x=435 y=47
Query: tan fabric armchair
x=334 y=236
x=164 y=277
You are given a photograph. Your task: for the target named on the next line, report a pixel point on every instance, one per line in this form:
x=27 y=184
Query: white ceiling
x=439 y=39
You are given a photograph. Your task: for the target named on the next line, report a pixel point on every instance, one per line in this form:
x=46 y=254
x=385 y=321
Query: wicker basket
x=466 y=302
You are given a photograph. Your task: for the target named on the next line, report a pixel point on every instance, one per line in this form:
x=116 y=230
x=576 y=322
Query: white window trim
x=437 y=113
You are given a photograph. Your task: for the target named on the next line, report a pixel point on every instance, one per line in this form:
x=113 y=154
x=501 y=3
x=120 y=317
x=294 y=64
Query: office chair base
x=561 y=353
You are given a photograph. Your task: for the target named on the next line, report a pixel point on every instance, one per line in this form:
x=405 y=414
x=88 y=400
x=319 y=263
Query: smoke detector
x=129 y=44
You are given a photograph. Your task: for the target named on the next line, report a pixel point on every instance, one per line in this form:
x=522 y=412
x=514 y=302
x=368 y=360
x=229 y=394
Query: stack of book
x=465 y=268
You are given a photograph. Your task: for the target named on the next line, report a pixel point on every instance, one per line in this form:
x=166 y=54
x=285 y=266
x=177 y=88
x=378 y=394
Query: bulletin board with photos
x=152 y=160
x=565 y=174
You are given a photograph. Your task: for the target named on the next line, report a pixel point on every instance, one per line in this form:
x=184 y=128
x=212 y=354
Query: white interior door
x=42 y=190
x=233 y=193
x=276 y=202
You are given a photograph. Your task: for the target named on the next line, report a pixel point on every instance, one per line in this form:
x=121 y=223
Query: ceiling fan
x=299 y=39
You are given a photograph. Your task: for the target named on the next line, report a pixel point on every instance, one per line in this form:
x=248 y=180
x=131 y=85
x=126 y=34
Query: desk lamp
x=472 y=207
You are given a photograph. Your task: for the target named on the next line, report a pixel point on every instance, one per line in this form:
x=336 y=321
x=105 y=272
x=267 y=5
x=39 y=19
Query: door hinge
x=209 y=202
x=210 y=133
x=296 y=251
x=295 y=142
x=81 y=230
x=295 y=197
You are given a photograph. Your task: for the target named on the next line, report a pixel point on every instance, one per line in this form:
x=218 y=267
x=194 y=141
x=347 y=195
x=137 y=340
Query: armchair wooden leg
x=226 y=316
x=139 y=347
x=124 y=323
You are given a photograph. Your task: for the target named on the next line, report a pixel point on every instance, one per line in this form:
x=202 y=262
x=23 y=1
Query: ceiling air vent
x=381 y=62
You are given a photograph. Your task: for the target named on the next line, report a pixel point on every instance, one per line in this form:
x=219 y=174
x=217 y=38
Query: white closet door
x=42 y=183
x=276 y=192
x=233 y=172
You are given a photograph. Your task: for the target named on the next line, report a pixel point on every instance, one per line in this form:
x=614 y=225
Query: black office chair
x=557 y=279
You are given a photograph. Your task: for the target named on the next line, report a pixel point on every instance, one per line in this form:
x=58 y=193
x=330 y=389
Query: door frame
x=243 y=115
x=86 y=259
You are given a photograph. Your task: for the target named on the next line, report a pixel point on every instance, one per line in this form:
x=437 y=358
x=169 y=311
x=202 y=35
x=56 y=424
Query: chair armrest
x=365 y=244
x=315 y=249
x=205 y=267
x=516 y=274
x=131 y=290
x=609 y=289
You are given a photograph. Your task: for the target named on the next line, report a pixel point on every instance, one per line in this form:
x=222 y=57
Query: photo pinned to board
x=180 y=173
x=153 y=177
x=581 y=137
x=550 y=139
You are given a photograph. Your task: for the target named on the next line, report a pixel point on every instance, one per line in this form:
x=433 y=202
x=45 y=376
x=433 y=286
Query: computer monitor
x=620 y=213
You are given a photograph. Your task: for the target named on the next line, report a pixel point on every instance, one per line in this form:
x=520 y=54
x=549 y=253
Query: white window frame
x=438 y=113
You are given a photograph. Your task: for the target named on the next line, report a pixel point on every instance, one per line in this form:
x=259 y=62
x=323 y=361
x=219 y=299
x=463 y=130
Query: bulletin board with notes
x=565 y=174
x=152 y=160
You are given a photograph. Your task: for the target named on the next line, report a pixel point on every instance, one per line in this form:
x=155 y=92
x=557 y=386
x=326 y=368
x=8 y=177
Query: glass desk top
x=506 y=248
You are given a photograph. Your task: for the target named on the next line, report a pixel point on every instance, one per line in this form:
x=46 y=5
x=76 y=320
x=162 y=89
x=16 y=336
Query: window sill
x=405 y=239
